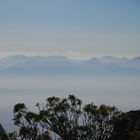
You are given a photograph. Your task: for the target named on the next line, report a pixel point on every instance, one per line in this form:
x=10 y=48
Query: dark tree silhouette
x=127 y=126
x=64 y=119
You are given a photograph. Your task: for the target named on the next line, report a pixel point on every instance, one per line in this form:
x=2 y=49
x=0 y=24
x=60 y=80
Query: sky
x=74 y=28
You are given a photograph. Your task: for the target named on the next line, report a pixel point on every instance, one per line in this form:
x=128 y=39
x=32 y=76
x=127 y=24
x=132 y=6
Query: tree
x=3 y=135
x=64 y=118
x=127 y=126
x=99 y=121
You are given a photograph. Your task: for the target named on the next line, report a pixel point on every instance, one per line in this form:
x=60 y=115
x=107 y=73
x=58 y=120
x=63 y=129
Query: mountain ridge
x=20 y=64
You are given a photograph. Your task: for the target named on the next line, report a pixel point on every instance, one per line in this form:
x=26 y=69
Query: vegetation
x=127 y=126
x=68 y=119
x=65 y=119
x=3 y=135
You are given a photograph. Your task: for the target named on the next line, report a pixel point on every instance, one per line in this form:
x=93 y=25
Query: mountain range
x=55 y=65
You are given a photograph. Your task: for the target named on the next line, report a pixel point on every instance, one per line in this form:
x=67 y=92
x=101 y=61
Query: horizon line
x=68 y=57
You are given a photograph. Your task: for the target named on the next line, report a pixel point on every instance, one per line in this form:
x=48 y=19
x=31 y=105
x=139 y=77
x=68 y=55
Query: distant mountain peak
x=136 y=58
x=111 y=59
x=108 y=57
x=56 y=58
x=20 y=64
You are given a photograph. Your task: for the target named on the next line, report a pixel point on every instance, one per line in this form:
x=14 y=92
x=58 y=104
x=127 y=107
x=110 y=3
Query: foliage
x=127 y=126
x=3 y=135
x=66 y=119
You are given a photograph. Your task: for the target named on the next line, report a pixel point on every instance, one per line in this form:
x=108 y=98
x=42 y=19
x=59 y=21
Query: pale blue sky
x=75 y=28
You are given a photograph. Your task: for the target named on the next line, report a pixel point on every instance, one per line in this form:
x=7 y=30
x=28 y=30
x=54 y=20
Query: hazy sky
x=75 y=28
